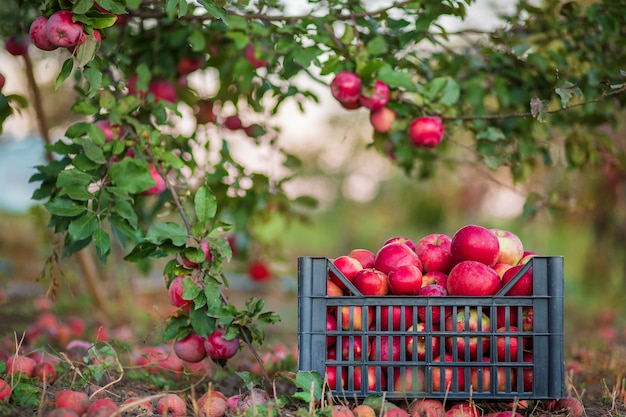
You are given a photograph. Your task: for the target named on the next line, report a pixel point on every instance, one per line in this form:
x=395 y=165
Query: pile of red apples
x=475 y=262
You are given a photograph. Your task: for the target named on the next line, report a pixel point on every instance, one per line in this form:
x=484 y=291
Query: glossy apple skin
x=382 y=119
x=434 y=252
x=379 y=97
x=524 y=286
x=346 y=88
x=219 y=348
x=426 y=132
x=471 y=278
x=448 y=373
x=364 y=256
x=38 y=36
x=62 y=31
x=405 y=280
x=394 y=255
x=16 y=45
x=432 y=290
x=511 y=247
x=348 y=266
x=475 y=243
x=468 y=322
x=371 y=282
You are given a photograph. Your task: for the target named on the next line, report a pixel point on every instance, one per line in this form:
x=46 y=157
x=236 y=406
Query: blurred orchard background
x=364 y=198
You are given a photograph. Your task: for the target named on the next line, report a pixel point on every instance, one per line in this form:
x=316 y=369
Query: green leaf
x=85 y=108
x=161 y=232
x=64 y=207
x=197 y=41
x=84 y=55
x=190 y=289
x=107 y=99
x=172 y=160
x=377 y=46
x=113 y=6
x=306 y=201
x=492 y=134
x=82 y=6
x=201 y=323
x=444 y=90
x=75 y=184
x=205 y=205
x=176 y=328
x=568 y=91
x=396 y=79
x=213 y=299
x=141 y=251
x=66 y=70
x=102 y=240
x=214 y=11
x=131 y=175
x=92 y=151
x=76 y=130
x=83 y=227
x=306 y=380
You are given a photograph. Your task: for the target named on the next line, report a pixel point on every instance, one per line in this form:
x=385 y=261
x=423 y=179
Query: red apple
x=45 y=371
x=110 y=132
x=331 y=326
x=175 y=294
x=463 y=409
x=501 y=316
x=400 y=239
x=20 y=365
x=204 y=112
x=426 y=132
x=348 y=266
x=417 y=351
x=405 y=280
x=38 y=36
x=370 y=378
x=389 y=348
x=83 y=38
x=396 y=412
x=382 y=119
x=334 y=382
x=16 y=45
x=527 y=373
x=190 y=348
x=527 y=256
x=159 y=183
x=480 y=378
x=352 y=346
x=401 y=317
x=509 y=346
x=61 y=29
x=253 y=59
x=379 y=97
x=364 y=256
x=448 y=374
x=511 y=247
x=572 y=406
x=435 y=277
x=187 y=65
x=346 y=89
x=352 y=318
x=472 y=347
x=524 y=285
x=475 y=243
x=427 y=407
x=5 y=391
x=394 y=255
x=412 y=380
x=501 y=269
x=471 y=278
x=204 y=245
x=434 y=252
x=2 y=81
x=432 y=290
x=527 y=319
x=259 y=271
x=217 y=347
x=332 y=289
x=371 y=282
x=163 y=90
x=233 y=122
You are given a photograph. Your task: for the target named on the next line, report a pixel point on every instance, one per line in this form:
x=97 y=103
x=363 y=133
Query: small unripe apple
x=382 y=119
x=62 y=30
x=16 y=45
x=379 y=97
x=346 y=88
x=38 y=36
x=426 y=132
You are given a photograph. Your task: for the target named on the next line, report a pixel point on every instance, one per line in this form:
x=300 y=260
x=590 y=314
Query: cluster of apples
x=60 y=30
x=475 y=262
x=347 y=88
x=430 y=407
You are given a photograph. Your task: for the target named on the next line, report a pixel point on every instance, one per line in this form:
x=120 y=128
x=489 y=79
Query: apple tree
x=166 y=90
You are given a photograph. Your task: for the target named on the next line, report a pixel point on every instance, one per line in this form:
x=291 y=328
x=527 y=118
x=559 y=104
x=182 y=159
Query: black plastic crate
x=376 y=352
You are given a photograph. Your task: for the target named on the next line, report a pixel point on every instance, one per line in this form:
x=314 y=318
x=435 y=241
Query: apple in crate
x=331 y=326
x=405 y=280
x=365 y=256
x=401 y=317
x=511 y=247
x=386 y=348
x=435 y=277
x=370 y=378
x=524 y=285
x=394 y=255
x=509 y=346
x=412 y=380
x=371 y=282
x=468 y=346
x=475 y=243
x=336 y=380
x=422 y=345
x=400 y=239
x=432 y=290
x=434 y=252
x=448 y=374
x=352 y=317
x=473 y=278
x=348 y=266
x=480 y=378
x=352 y=348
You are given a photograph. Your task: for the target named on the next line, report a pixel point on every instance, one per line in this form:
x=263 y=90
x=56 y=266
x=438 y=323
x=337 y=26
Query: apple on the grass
x=524 y=285
x=509 y=345
x=378 y=98
x=464 y=409
x=346 y=89
x=475 y=243
x=382 y=119
x=364 y=256
x=434 y=252
x=61 y=29
x=418 y=351
x=472 y=278
x=427 y=407
x=393 y=255
x=468 y=321
x=405 y=280
x=448 y=374
x=37 y=34
x=348 y=266
x=426 y=132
